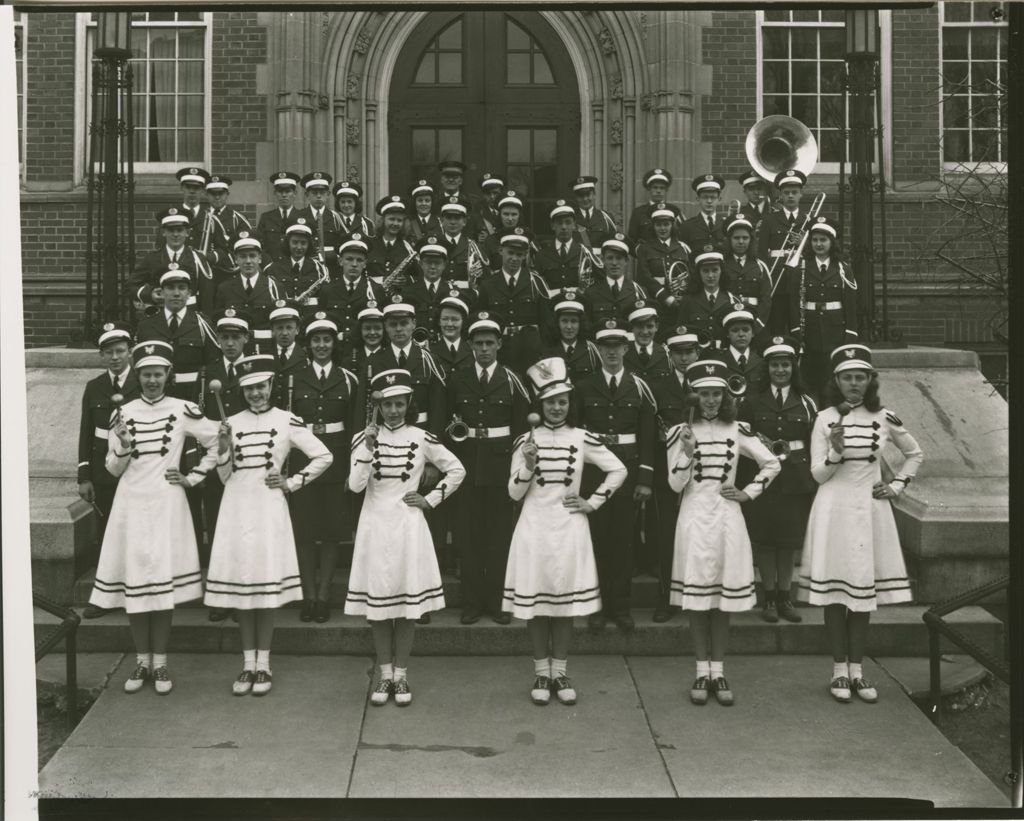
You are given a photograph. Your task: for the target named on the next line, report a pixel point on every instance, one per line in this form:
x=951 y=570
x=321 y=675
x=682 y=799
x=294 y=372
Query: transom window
x=170 y=87
x=441 y=63
x=525 y=63
x=802 y=66
x=974 y=83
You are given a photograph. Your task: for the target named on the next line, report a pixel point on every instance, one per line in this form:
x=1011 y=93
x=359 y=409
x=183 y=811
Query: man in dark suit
x=389 y=249
x=251 y=291
x=426 y=293
x=657 y=182
x=271 y=225
x=291 y=357
x=207 y=232
x=741 y=359
x=614 y=293
x=455 y=238
x=230 y=222
x=353 y=291
x=617 y=407
x=96 y=485
x=706 y=227
x=558 y=259
x=492 y=401
x=593 y=224
x=580 y=354
x=324 y=222
x=143 y=285
x=705 y=304
x=487 y=211
x=757 y=205
x=775 y=227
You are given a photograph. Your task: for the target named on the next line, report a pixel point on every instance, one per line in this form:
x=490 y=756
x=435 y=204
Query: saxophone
x=392 y=283
x=323 y=277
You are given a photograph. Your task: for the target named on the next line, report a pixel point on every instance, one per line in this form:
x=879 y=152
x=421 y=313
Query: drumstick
x=216 y=386
x=117 y=400
x=533 y=420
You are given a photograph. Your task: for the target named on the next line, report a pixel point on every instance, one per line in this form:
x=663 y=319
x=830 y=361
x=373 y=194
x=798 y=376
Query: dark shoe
x=788 y=612
x=403 y=695
x=541 y=692
x=470 y=616
x=865 y=690
x=261 y=686
x=382 y=692
x=840 y=689
x=91 y=611
x=321 y=611
x=564 y=690
x=662 y=614
x=699 y=690
x=242 y=685
x=768 y=610
x=424 y=619
x=502 y=618
x=625 y=623
x=218 y=613
x=597 y=621
x=308 y=609
x=722 y=692
x=138 y=678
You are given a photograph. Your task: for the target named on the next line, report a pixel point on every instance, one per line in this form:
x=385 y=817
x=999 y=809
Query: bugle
x=737 y=384
x=457 y=430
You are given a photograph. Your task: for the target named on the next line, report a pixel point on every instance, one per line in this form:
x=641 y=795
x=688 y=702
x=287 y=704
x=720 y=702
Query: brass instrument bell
x=779 y=143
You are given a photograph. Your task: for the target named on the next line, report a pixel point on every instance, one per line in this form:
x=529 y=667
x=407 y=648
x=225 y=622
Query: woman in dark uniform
x=782 y=416
x=322 y=397
x=707 y=298
x=573 y=336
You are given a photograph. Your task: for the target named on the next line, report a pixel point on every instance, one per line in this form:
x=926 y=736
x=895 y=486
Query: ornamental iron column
x=110 y=180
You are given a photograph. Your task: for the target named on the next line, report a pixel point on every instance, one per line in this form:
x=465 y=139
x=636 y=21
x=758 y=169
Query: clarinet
x=803 y=301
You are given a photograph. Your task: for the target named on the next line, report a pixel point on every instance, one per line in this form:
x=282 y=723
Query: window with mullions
x=441 y=63
x=525 y=63
x=19 y=61
x=801 y=70
x=430 y=146
x=533 y=172
x=169 y=87
x=974 y=83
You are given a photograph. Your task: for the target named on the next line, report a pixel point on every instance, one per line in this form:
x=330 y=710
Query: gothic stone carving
x=607 y=42
x=352 y=87
x=352 y=173
x=362 y=44
x=615 y=134
x=615 y=178
x=352 y=133
x=616 y=86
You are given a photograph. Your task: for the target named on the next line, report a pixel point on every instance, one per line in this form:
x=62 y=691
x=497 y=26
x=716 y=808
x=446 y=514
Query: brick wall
x=915 y=93
x=49 y=101
x=729 y=45
x=240 y=114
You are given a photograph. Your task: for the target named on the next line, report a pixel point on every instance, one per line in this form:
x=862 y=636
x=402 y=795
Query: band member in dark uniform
x=421 y=221
x=366 y=338
x=206 y=232
x=580 y=354
x=289 y=356
x=748 y=276
x=389 y=248
x=347 y=295
x=452 y=174
x=706 y=227
x=510 y=214
x=348 y=197
x=772 y=232
x=619 y=409
x=427 y=292
x=323 y=397
x=662 y=264
x=250 y=290
x=324 y=222
x=455 y=237
x=300 y=274
x=450 y=349
x=271 y=224
x=757 y=204
x=487 y=213
x=230 y=220
x=707 y=299
x=822 y=305
x=96 y=485
x=657 y=182
x=737 y=354
x=145 y=279
x=674 y=399
x=614 y=293
x=783 y=417
x=594 y=224
x=558 y=259
x=492 y=403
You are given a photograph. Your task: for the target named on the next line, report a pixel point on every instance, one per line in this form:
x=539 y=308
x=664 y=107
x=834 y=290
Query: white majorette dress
x=712 y=566
x=394 y=569
x=551 y=569
x=253 y=564
x=852 y=552
x=149 y=560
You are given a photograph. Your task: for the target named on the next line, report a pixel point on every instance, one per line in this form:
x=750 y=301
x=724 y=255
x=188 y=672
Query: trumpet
x=677 y=276
x=457 y=430
x=737 y=384
x=391 y=281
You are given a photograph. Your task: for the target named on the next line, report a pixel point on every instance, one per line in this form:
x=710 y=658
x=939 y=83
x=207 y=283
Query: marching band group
x=686 y=397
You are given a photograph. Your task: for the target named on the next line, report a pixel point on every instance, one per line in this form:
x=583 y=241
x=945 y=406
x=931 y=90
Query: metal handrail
x=937 y=626
x=66 y=631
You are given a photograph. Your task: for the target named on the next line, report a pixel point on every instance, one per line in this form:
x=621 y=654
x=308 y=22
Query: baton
x=215 y=388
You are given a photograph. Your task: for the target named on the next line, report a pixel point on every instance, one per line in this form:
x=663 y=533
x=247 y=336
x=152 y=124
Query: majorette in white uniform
x=712 y=567
x=394 y=568
x=852 y=552
x=149 y=559
x=551 y=569
x=253 y=564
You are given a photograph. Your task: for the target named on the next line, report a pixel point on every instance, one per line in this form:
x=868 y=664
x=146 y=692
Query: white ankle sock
x=856 y=670
x=717 y=669
x=703 y=669
x=400 y=673
x=263 y=660
x=144 y=659
x=387 y=672
x=839 y=668
x=542 y=667
x=249 y=660
x=159 y=660
x=558 y=667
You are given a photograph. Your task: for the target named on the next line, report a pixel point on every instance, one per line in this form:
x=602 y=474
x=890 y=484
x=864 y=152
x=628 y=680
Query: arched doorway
x=494 y=89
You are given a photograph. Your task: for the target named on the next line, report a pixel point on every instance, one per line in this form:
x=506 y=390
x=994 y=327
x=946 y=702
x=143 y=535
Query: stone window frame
x=968 y=165
x=885 y=69
x=82 y=68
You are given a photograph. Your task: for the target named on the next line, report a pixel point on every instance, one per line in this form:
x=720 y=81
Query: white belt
x=778 y=252
x=101 y=433
x=488 y=433
x=326 y=427
x=749 y=300
x=312 y=300
x=459 y=283
x=823 y=306
x=421 y=417
x=182 y=378
x=263 y=333
x=796 y=444
x=327 y=248
x=617 y=438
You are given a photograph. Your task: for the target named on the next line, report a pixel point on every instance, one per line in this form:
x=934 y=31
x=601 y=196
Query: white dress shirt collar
x=180 y=314
x=490 y=370
x=618 y=376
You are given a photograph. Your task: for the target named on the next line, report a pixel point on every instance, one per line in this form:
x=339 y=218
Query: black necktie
x=711 y=300
x=742 y=360
x=284 y=214
x=323 y=376
x=174 y=256
x=173 y=323
x=296 y=270
x=563 y=252
x=432 y=287
x=613 y=386
x=822 y=269
x=512 y=283
x=792 y=221
x=117 y=384
x=351 y=287
x=403 y=360
x=248 y=287
x=711 y=223
x=452 y=349
x=615 y=289
x=282 y=356
x=483 y=380
x=569 y=350
x=231 y=372
x=741 y=261
x=645 y=357
x=778 y=397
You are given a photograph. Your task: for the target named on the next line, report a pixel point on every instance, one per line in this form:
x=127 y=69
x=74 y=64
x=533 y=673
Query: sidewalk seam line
x=362 y=723
x=650 y=729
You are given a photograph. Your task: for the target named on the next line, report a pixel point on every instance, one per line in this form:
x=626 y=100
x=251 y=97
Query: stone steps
x=895 y=631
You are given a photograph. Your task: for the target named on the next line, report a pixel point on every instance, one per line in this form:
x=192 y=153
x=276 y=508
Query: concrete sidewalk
x=472 y=732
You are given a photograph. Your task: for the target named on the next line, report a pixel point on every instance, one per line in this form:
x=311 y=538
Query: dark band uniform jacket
x=448 y=361
x=257 y=303
x=427 y=305
x=695 y=232
x=428 y=387
x=640 y=225
x=357 y=223
x=270 y=231
x=694 y=311
x=754 y=370
x=523 y=312
x=750 y=284
x=603 y=305
x=382 y=258
x=654 y=256
x=830 y=314
x=597 y=225
x=779 y=515
x=332 y=233
x=458 y=255
x=195 y=344
x=230 y=394
x=347 y=304
x=655 y=366
x=154 y=265
x=417 y=227
x=582 y=360
x=295 y=359
x=292 y=283
x=771 y=235
x=97 y=407
x=559 y=271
